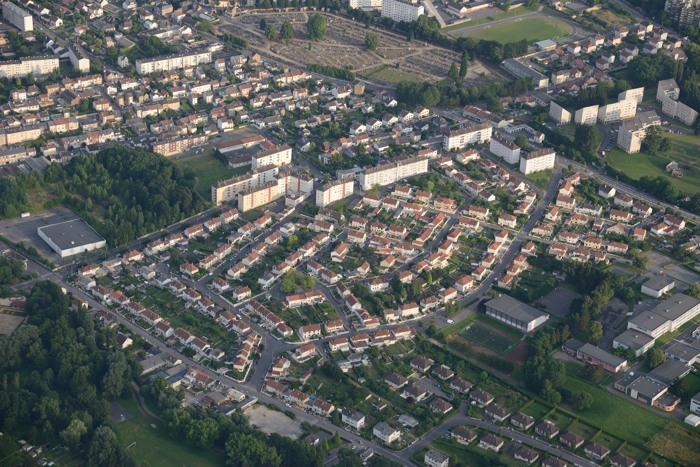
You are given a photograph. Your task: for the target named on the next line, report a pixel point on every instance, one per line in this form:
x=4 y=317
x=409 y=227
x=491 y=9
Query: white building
x=78 y=58
x=587 y=115
x=172 y=62
x=667 y=316
x=17 y=17
x=472 y=134
x=617 y=111
x=281 y=155
x=505 y=149
x=402 y=10
x=228 y=190
x=667 y=89
x=535 y=161
x=386 y=432
x=632 y=132
x=366 y=4
x=392 y=171
x=38 y=66
x=678 y=110
x=559 y=114
x=636 y=94
x=334 y=191
x=71 y=237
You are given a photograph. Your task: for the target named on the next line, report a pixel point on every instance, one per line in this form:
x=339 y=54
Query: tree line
x=331 y=71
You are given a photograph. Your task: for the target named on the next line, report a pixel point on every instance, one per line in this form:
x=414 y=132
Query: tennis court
x=485 y=337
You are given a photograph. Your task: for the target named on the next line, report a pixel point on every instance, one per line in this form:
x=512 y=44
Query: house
x=522 y=421
x=547 y=429
x=497 y=413
x=386 y=432
x=620 y=460
x=395 y=381
x=435 y=458
x=526 y=455
x=552 y=461
x=353 y=418
x=415 y=392
x=463 y=435
x=481 y=397
x=491 y=442
x=422 y=363
x=443 y=372
x=596 y=452
x=571 y=440
x=440 y=406
x=460 y=386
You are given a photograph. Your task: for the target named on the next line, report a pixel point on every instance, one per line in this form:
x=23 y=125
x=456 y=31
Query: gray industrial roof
x=515 y=309
x=634 y=339
x=71 y=234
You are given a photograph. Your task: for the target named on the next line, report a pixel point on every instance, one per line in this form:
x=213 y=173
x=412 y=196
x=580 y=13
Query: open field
x=387 y=74
x=685 y=149
x=612 y=19
x=153 y=446
x=531 y=29
x=209 y=170
x=514 y=13
x=679 y=443
x=541 y=179
x=489 y=339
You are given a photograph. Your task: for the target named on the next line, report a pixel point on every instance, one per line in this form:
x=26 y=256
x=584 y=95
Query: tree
x=73 y=432
x=271 y=33
x=371 y=40
x=288 y=283
x=316 y=27
x=464 y=65
x=105 y=451
x=595 y=331
x=521 y=141
x=694 y=291
x=581 y=400
x=587 y=137
x=250 y=451
x=287 y=32
x=263 y=24
x=681 y=388
x=593 y=373
x=454 y=71
x=655 y=357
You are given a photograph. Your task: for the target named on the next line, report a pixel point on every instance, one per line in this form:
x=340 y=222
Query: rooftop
x=515 y=309
x=71 y=234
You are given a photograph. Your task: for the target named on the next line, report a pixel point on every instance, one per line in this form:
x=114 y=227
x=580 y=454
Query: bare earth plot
x=8 y=323
x=271 y=421
x=344 y=45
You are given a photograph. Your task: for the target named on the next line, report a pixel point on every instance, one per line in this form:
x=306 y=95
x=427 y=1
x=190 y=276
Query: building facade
x=17 y=17
x=172 y=62
x=559 y=114
x=38 y=66
x=392 y=171
x=505 y=149
x=334 y=191
x=617 y=111
x=535 y=161
x=281 y=155
x=399 y=10
x=587 y=115
x=472 y=134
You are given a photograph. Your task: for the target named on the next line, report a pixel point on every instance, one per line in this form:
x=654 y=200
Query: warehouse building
x=515 y=314
x=71 y=237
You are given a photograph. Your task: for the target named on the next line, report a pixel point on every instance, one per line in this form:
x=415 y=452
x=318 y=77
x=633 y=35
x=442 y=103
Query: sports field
x=685 y=149
x=488 y=339
x=530 y=29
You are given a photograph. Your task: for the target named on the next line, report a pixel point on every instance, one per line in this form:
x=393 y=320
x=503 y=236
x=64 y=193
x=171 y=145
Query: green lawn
x=515 y=12
x=608 y=410
x=536 y=410
x=390 y=74
x=531 y=29
x=154 y=447
x=684 y=148
x=541 y=179
x=209 y=170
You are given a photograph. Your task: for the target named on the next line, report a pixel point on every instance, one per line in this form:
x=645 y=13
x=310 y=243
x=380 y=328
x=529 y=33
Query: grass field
x=679 y=443
x=390 y=74
x=514 y=13
x=489 y=339
x=684 y=149
x=541 y=179
x=613 y=19
x=531 y=29
x=154 y=447
x=209 y=170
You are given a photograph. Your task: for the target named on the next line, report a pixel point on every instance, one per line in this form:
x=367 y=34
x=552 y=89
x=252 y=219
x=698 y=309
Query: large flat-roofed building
x=536 y=161
x=617 y=111
x=71 y=237
x=228 y=190
x=393 y=170
x=634 y=340
x=667 y=316
x=37 y=66
x=636 y=94
x=515 y=313
x=471 y=134
x=595 y=356
x=400 y=10
x=172 y=62
x=667 y=89
x=334 y=191
x=586 y=115
x=657 y=286
x=16 y=16
x=641 y=388
x=632 y=132
x=506 y=149
x=521 y=70
x=281 y=155
x=559 y=114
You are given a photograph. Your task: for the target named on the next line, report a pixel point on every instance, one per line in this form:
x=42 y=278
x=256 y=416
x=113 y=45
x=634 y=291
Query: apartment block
x=399 y=10
x=632 y=132
x=535 y=161
x=366 y=4
x=636 y=94
x=667 y=88
x=334 y=191
x=281 y=155
x=38 y=66
x=622 y=110
x=172 y=62
x=16 y=16
x=228 y=190
x=78 y=58
x=392 y=171
x=259 y=196
x=587 y=115
x=178 y=145
x=505 y=149
x=559 y=114
x=521 y=70
x=680 y=111
x=472 y=134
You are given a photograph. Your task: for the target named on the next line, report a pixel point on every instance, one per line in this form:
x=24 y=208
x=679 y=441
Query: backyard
x=530 y=29
x=685 y=149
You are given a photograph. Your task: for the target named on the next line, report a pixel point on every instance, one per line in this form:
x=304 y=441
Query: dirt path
x=142 y=403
